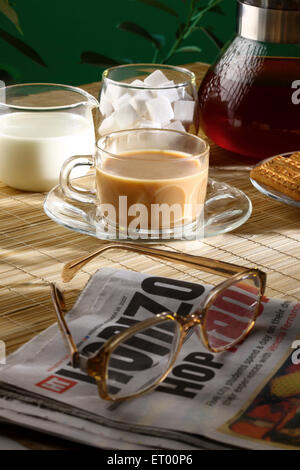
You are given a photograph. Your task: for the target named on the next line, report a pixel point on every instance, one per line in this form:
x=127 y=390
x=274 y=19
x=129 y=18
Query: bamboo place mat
x=34 y=250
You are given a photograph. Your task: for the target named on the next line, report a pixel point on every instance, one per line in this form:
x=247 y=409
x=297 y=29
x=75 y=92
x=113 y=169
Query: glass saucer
x=270 y=192
x=225 y=209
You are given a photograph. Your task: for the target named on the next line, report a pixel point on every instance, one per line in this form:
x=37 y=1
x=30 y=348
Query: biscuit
x=281 y=174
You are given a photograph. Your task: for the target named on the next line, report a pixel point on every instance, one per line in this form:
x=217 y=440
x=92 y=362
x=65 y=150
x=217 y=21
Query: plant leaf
x=217 y=9
x=22 y=47
x=212 y=36
x=161 y=39
x=10 y=13
x=188 y=49
x=93 y=58
x=5 y=76
x=197 y=17
x=180 y=30
x=136 y=29
x=213 y=5
x=160 y=5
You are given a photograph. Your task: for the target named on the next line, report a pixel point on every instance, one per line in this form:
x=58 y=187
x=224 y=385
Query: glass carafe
x=250 y=99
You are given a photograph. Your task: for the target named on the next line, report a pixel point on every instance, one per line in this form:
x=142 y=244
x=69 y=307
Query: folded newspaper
x=248 y=397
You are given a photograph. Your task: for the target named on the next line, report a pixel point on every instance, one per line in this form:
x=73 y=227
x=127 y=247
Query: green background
x=60 y=30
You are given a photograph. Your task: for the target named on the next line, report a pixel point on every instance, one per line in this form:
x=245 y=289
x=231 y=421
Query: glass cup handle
x=70 y=191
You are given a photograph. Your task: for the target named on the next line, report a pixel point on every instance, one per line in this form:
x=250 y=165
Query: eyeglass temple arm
x=60 y=309
x=220 y=268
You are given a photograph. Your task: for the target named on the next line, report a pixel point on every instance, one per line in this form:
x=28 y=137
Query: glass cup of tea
x=148 y=96
x=149 y=183
x=41 y=125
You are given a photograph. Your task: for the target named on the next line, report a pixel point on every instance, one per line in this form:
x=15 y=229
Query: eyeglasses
x=225 y=318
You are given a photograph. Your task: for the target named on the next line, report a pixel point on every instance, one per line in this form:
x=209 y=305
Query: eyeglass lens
x=142 y=359
x=231 y=313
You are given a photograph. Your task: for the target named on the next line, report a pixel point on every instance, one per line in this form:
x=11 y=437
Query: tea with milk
x=153 y=178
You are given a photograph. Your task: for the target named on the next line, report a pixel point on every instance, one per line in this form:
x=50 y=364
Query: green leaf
x=213 y=3
x=212 y=6
x=160 y=5
x=160 y=38
x=217 y=9
x=207 y=31
x=188 y=49
x=22 y=47
x=93 y=58
x=9 y=73
x=180 y=30
x=5 y=76
x=10 y=13
x=136 y=29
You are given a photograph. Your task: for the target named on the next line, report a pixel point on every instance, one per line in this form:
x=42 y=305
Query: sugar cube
x=160 y=109
x=175 y=125
x=123 y=99
x=139 y=106
x=113 y=92
x=184 y=110
x=137 y=83
x=108 y=125
x=170 y=93
x=106 y=108
x=125 y=116
x=149 y=124
x=184 y=95
x=155 y=79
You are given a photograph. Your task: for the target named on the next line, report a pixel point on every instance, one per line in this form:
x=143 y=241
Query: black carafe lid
x=276 y=21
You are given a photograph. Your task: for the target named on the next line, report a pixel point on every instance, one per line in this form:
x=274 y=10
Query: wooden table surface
x=34 y=248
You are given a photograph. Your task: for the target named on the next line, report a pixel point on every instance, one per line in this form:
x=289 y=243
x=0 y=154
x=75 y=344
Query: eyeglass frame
x=100 y=359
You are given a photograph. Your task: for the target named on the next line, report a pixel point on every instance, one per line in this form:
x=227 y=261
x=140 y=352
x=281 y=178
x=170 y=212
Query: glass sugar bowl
x=148 y=96
x=250 y=99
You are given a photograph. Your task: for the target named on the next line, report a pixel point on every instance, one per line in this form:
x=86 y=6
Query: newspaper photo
x=245 y=397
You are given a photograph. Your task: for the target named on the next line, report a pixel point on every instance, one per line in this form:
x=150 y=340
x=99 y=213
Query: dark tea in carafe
x=253 y=108
x=250 y=99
